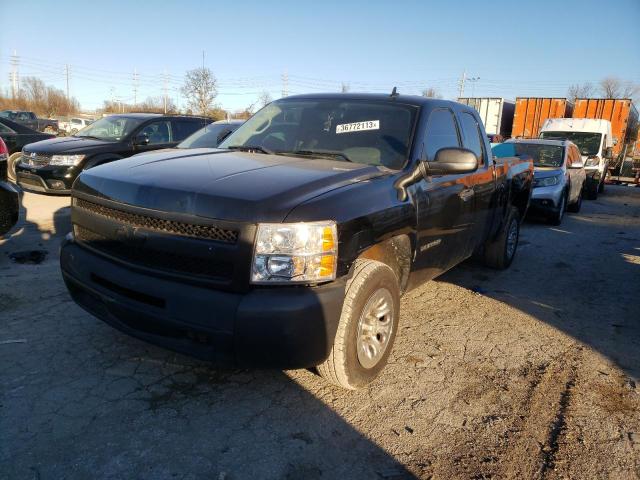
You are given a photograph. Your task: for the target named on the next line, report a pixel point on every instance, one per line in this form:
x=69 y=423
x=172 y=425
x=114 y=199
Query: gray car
x=559 y=175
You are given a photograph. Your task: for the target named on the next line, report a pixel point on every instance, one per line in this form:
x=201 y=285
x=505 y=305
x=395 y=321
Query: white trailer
x=496 y=113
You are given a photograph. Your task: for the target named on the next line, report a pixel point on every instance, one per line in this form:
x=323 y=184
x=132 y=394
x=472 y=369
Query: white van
x=593 y=138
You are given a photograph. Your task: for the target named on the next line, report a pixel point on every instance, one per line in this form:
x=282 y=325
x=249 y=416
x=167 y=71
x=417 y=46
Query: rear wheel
x=499 y=252
x=591 y=189
x=367 y=328
x=601 y=185
x=11 y=166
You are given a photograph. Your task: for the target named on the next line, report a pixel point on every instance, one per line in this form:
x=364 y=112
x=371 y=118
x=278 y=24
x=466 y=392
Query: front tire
x=575 y=207
x=556 y=218
x=499 y=252
x=11 y=166
x=367 y=328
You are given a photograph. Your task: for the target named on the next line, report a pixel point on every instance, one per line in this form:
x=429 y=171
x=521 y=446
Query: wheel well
x=520 y=200
x=394 y=252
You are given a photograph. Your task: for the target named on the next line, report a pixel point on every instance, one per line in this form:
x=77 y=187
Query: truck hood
x=236 y=186
x=68 y=145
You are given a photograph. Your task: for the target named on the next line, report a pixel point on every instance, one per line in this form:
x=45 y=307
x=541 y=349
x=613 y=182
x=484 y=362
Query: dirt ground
x=527 y=373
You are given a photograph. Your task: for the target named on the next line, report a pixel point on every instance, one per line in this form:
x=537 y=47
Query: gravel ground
x=526 y=373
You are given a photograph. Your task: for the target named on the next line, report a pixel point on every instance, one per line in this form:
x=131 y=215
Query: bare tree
x=156 y=105
x=613 y=87
x=579 y=91
x=264 y=99
x=200 y=89
x=431 y=93
x=345 y=87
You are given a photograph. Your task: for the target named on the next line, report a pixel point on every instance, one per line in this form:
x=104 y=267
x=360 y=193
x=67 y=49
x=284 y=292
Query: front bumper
x=280 y=327
x=546 y=199
x=56 y=180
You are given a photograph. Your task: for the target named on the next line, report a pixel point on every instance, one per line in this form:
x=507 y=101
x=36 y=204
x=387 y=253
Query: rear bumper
x=281 y=327
x=55 y=180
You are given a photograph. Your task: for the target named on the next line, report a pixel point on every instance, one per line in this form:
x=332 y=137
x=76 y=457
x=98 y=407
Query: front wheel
x=556 y=218
x=575 y=207
x=11 y=166
x=367 y=327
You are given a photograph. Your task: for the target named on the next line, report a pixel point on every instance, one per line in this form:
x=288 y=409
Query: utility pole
x=66 y=72
x=285 y=83
x=135 y=87
x=15 y=61
x=461 y=84
x=473 y=81
x=164 y=89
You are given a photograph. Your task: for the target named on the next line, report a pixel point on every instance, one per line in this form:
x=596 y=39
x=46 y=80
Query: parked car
x=51 y=166
x=559 y=176
x=74 y=125
x=9 y=197
x=211 y=135
x=29 y=119
x=290 y=246
x=15 y=137
x=595 y=142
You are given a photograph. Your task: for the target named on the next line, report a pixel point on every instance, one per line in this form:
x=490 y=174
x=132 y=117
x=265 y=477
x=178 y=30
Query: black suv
x=51 y=166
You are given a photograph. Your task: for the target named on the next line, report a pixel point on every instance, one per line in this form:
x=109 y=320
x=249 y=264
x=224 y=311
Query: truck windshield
x=588 y=143
x=362 y=131
x=112 y=129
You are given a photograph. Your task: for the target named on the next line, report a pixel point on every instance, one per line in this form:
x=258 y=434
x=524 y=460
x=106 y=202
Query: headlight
x=547 y=182
x=592 y=162
x=295 y=252
x=68 y=160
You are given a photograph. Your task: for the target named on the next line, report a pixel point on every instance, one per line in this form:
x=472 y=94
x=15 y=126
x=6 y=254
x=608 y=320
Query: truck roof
x=416 y=100
x=577 y=124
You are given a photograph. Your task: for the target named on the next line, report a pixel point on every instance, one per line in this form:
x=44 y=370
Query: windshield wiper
x=251 y=148
x=320 y=153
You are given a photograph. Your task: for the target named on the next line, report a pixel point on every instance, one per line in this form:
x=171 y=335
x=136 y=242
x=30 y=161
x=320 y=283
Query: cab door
x=444 y=204
x=482 y=180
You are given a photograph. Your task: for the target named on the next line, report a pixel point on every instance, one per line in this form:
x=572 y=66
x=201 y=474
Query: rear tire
x=601 y=186
x=11 y=166
x=575 y=206
x=591 y=190
x=367 y=327
x=499 y=252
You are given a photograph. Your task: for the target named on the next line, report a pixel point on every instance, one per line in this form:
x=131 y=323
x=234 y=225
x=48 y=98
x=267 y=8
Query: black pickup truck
x=31 y=120
x=290 y=245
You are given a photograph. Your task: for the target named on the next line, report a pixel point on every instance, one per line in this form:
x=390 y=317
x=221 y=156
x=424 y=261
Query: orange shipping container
x=620 y=112
x=531 y=112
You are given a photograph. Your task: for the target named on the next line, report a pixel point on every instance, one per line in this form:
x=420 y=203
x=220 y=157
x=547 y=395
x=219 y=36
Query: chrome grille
x=33 y=159
x=208 y=232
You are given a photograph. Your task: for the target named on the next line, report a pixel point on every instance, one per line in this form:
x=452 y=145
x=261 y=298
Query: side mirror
x=608 y=152
x=140 y=140
x=451 y=161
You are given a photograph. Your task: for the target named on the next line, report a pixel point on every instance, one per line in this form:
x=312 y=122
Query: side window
x=441 y=132
x=504 y=150
x=157 y=132
x=472 y=136
x=183 y=128
x=24 y=117
x=5 y=129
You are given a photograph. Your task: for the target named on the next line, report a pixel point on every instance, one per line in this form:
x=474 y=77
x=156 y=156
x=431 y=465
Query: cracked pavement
x=527 y=373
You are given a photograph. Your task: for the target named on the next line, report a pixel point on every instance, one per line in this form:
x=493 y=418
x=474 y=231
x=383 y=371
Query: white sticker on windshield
x=358 y=126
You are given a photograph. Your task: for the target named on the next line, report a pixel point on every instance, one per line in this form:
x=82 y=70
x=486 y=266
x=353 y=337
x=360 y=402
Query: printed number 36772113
x=358 y=126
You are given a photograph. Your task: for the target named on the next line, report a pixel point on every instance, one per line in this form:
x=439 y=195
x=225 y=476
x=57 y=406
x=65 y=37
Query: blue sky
x=515 y=48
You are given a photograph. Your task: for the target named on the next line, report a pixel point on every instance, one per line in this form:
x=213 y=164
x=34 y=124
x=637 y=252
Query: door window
x=441 y=133
x=183 y=128
x=157 y=132
x=472 y=136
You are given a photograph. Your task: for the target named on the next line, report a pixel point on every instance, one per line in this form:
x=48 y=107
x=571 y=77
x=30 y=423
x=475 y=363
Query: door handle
x=466 y=194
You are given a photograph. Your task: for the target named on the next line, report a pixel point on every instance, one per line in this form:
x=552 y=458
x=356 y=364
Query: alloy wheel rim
x=375 y=327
